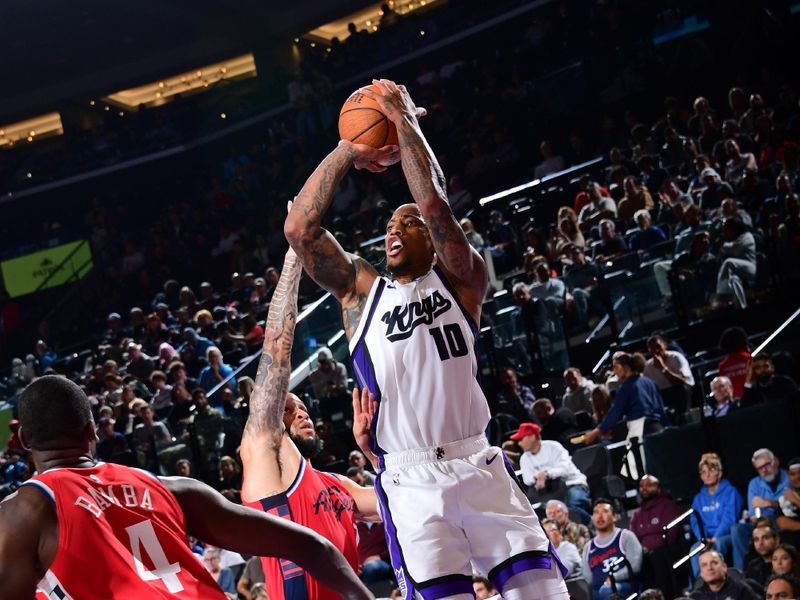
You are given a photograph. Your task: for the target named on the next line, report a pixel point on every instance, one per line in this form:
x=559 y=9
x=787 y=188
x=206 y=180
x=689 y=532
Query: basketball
x=362 y=122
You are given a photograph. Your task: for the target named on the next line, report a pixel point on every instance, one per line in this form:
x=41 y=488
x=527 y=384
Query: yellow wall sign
x=26 y=274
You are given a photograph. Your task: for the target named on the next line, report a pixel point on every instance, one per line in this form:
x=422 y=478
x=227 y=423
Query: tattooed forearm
x=268 y=399
x=429 y=189
x=322 y=256
x=423 y=173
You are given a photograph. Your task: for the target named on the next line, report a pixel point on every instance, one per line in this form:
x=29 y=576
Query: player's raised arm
x=264 y=431
x=210 y=517
x=268 y=398
x=429 y=190
x=336 y=270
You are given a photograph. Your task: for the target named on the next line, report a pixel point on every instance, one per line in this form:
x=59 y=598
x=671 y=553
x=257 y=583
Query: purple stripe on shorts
x=561 y=567
x=446 y=588
x=395 y=552
x=527 y=563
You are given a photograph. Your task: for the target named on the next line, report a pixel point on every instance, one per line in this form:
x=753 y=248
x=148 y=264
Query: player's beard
x=308 y=447
x=405 y=265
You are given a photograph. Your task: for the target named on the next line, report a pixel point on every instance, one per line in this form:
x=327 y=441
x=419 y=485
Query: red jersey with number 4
x=320 y=502
x=122 y=534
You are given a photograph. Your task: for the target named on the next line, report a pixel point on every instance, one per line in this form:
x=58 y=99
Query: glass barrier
x=637 y=304
x=540 y=344
x=320 y=327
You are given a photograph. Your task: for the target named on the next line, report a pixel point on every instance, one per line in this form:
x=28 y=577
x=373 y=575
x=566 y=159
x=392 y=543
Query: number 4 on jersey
x=449 y=341
x=143 y=536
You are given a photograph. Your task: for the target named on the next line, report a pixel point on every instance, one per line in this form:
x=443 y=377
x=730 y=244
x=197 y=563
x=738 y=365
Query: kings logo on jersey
x=406 y=318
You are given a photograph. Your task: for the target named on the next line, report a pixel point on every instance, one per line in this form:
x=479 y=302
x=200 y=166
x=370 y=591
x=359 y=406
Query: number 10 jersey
x=414 y=348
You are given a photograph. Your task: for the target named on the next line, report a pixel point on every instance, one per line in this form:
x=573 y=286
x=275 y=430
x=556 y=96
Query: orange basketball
x=362 y=122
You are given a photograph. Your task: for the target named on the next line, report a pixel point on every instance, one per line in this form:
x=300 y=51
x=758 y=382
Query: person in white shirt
x=547 y=459
x=671 y=372
x=567 y=551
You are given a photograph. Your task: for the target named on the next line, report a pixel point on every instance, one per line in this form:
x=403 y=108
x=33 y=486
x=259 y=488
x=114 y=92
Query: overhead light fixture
x=163 y=90
x=33 y=129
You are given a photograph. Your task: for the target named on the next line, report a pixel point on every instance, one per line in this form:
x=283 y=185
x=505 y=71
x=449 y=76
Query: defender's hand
x=364 y=408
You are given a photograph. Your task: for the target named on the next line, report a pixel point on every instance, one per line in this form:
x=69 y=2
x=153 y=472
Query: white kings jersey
x=414 y=348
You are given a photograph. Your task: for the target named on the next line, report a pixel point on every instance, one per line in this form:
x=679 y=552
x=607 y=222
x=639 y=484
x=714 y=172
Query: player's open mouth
x=394 y=248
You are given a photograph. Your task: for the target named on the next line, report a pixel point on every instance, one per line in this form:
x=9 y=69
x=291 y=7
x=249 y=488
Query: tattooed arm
x=345 y=275
x=266 y=451
x=426 y=181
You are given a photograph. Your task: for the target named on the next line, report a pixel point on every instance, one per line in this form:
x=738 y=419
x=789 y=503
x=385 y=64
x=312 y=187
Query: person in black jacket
x=764 y=385
x=765 y=539
x=717 y=583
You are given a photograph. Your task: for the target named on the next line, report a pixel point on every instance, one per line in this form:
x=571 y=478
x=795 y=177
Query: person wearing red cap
x=544 y=460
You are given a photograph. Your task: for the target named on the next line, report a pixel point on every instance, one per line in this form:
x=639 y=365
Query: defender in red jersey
x=278 y=440
x=85 y=530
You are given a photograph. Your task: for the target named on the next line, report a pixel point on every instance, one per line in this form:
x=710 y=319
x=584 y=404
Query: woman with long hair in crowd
x=567 y=233
x=785 y=560
x=637 y=400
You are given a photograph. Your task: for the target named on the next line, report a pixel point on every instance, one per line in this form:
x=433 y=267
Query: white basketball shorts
x=452 y=507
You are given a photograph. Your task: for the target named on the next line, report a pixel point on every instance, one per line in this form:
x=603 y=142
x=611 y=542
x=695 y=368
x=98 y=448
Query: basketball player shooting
x=93 y=531
x=448 y=499
x=278 y=440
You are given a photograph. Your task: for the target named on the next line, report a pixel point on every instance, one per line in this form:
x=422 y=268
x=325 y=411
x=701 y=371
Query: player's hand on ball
x=373 y=159
x=394 y=100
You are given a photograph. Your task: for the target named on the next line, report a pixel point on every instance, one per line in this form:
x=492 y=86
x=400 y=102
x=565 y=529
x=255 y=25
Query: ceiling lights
x=162 y=91
x=31 y=130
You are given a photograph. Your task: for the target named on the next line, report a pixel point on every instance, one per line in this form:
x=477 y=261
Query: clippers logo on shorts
x=406 y=318
x=334 y=500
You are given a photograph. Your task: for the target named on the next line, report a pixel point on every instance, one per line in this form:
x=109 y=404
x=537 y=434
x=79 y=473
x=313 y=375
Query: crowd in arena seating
x=704 y=198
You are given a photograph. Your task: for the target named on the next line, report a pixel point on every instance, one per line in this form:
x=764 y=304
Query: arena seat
x=595 y=463
x=579 y=589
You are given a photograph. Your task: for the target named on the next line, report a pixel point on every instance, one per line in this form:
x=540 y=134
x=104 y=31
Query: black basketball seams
x=383 y=119
x=360 y=108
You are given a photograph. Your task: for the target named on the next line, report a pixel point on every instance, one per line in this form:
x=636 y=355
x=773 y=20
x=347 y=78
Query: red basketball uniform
x=122 y=534
x=320 y=502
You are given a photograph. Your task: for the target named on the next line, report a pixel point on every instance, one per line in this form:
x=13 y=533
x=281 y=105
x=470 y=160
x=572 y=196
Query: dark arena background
x=627 y=169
